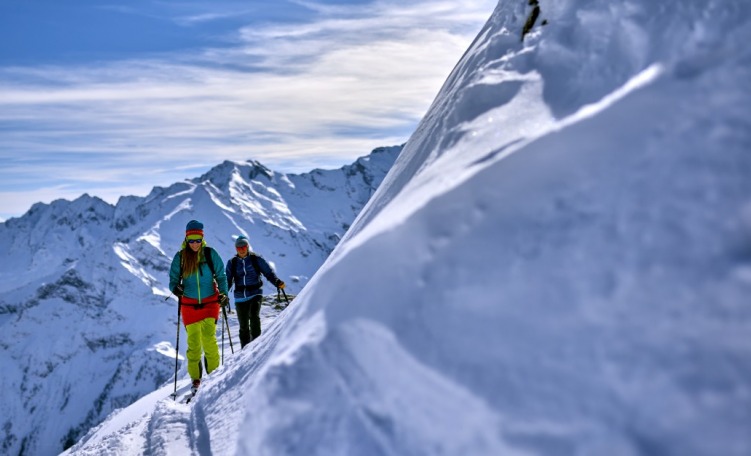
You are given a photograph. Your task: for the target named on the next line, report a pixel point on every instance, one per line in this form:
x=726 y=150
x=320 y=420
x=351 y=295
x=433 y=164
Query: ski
x=187 y=398
x=183 y=399
x=184 y=394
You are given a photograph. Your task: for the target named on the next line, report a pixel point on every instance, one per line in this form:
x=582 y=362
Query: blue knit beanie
x=194 y=227
x=241 y=241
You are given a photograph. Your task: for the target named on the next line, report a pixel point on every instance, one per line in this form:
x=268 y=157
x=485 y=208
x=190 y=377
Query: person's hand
x=279 y=284
x=179 y=290
x=223 y=300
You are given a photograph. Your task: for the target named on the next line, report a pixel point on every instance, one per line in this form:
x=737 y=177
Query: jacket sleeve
x=174 y=272
x=229 y=273
x=221 y=274
x=267 y=271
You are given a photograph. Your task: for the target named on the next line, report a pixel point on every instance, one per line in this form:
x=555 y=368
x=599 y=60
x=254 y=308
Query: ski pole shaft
x=229 y=335
x=177 y=345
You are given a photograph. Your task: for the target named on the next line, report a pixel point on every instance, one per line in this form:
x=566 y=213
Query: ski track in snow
x=169 y=427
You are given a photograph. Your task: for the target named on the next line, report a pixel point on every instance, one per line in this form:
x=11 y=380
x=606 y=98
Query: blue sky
x=113 y=99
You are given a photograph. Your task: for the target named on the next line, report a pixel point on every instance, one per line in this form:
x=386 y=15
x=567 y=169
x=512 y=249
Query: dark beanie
x=194 y=227
x=241 y=241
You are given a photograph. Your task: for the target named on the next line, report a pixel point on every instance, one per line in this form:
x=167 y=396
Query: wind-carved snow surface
x=557 y=264
x=86 y=325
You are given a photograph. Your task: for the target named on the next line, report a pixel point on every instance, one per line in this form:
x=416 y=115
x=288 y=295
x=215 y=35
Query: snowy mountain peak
x=222 y=173
x=60 y=211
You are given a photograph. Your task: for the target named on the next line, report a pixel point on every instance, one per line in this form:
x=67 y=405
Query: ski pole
x=223 y=342
x=279 y=298
x=177 y=345
x=285 y=297
x=229 y=335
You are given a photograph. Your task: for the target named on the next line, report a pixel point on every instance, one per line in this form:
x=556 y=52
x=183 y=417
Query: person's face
x=195 y=244
x=242 y=251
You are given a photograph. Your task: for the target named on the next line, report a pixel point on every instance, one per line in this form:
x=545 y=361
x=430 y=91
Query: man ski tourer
x=200 y=287
x=244 y=270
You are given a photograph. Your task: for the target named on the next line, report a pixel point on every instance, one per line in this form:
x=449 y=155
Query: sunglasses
x=195 y=241
x=242 y=247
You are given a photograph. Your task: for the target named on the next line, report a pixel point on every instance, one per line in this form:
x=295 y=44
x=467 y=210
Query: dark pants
x=249 y=312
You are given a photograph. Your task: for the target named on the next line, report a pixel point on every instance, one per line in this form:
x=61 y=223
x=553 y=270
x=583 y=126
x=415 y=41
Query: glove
x=179 y=290
x=279 y=284
x=223 y=300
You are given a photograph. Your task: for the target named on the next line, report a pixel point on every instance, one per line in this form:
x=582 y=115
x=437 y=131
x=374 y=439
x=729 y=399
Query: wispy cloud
x=315 y=93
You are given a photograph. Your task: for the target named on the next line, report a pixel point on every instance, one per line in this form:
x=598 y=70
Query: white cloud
x=332 y=89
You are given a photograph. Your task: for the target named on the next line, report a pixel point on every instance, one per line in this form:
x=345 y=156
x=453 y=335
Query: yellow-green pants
x=202 y=340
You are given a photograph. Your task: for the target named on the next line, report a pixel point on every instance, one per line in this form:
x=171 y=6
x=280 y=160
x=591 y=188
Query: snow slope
x=559 y=262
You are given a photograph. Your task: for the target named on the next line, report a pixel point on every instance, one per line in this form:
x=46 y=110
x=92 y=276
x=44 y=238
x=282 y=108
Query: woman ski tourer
x=201 y=287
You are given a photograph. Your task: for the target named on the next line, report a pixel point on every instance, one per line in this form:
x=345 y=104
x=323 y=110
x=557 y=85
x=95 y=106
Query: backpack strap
x=231 y=275
x=180 y=277
x=254 y=262
x=209 y=260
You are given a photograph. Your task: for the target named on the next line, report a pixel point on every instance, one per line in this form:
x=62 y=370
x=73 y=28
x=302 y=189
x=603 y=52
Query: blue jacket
x=246 y=279
x=200 y=285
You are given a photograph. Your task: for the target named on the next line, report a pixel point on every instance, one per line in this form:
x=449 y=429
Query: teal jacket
x=200 y=285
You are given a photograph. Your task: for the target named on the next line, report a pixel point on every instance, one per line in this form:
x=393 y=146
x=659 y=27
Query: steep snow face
x=559 y=262
x=505 y=92
x=85 y=324
x=565 y=238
